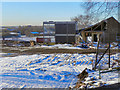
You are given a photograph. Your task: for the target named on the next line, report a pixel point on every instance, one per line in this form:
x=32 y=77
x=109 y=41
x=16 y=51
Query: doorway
x=95 y=37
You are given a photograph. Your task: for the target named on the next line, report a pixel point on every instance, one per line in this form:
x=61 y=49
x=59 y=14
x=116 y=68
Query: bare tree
x=102 y=9
x=84 y=20
x=96 y=11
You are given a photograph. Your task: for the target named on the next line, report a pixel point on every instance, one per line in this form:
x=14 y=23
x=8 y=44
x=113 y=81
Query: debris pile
x=91 y=79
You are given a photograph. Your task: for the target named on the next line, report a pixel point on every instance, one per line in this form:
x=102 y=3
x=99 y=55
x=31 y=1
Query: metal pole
x=49 y=32
x=67 y=33
x=54 y=34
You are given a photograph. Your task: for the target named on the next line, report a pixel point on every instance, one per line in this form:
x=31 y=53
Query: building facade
x=65 y=32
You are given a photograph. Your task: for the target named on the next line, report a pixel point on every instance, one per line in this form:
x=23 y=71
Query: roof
x=62 y=22
x=34 y=32
x=99 y=23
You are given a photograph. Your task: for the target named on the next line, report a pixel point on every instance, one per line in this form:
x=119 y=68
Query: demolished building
x=106 y=31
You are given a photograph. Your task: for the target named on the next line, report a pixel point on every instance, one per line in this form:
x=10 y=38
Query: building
x=65 y=32
x=106 y=30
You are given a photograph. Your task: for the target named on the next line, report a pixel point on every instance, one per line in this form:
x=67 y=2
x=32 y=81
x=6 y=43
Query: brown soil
x=32 y=50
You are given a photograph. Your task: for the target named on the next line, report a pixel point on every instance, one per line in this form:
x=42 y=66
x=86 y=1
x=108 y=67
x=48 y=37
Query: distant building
x=32 y=34
x=41 y=40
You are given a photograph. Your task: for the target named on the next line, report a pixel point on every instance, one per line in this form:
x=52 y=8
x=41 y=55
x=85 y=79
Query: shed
x=106 y=30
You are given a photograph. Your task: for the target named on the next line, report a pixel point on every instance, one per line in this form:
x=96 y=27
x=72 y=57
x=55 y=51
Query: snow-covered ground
x=107 y=78
x=61 y=46
x=47 y=70
x=69 y=46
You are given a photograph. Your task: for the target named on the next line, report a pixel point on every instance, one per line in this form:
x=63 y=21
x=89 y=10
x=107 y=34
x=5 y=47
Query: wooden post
x=109 y=49
x=99 y=71
x=101 y=57
x=109 y=54
x=92 y=37
x=97 y=53
x=84 y=36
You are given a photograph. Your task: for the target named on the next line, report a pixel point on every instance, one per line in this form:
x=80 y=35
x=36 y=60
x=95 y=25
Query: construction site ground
x=39 y=50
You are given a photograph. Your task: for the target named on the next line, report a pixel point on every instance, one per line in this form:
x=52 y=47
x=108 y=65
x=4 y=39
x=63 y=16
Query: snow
x=70 y=46
x=106 y=79
x=89 y=39
x=44 y=70
x=61 y=46
x=22 y=38
x=13 y=33
x=50 y=70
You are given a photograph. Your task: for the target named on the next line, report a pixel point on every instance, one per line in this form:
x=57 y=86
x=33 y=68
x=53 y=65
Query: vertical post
x=83 y=35
x=109 y=49
x=85 y=40
x=109 y=54
x=92 y=37
x=67 y=33
x=55 y=32
x=76 y=29
x=97 y=52
x=99 y=71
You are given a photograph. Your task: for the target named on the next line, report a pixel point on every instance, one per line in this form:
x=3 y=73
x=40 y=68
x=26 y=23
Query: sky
x=34 y=13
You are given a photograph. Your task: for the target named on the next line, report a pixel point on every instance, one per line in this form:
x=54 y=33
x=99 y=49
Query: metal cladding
x=65 y=32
